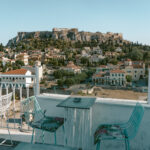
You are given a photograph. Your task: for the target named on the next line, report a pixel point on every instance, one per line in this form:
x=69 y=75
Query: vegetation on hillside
x=135 y=51
x=65 y=78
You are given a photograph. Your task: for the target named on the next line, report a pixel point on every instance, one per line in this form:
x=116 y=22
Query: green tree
x=60 y=82
x=69 y=82
x=84 y=60
x=1 y=47
x=146 y=56
x=136 y=54
x=129 y=78
x=19 y=63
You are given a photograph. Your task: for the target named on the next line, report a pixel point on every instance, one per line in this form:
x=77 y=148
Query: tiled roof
x=128 y=60
x=17 y=71
x=99 y=74
x=117 y=71
x=72 y=65
x=102 y=66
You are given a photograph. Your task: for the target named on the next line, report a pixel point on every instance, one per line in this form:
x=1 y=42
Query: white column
x=148 y=85
x=1 y=105
x=37 y=91
x=6 y=106
x=14 y=87
x=14 y=105
x=27 y=89
x=21 y=92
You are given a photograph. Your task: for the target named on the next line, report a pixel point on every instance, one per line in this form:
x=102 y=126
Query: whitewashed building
x=20 y=78
x=71 y=67
x=32 y=69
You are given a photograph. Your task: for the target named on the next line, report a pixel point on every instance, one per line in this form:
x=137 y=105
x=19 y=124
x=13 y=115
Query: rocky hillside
x=68 y=35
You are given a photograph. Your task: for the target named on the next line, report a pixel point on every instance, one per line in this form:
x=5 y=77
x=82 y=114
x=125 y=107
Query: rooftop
x=16 y=72
x=117 y=71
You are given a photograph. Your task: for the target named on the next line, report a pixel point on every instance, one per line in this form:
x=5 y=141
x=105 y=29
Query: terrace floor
x=29 y=146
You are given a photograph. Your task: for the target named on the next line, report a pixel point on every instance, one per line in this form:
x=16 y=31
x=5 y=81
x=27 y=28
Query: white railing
x=5 y=102
x=16 y=88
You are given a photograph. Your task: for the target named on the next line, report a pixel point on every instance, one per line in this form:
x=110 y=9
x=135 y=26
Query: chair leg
x=43 y=136
x=10 y=135
x=64 y=134
x=55 y=137
x=127 y=144
x=32 y=136
x=98 y=145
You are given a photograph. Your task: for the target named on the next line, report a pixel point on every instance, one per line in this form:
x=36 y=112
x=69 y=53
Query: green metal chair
x=124 y=131
x=36 y=118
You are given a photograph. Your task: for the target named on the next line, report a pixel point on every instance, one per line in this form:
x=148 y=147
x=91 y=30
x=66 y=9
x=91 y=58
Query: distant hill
x=68 y=35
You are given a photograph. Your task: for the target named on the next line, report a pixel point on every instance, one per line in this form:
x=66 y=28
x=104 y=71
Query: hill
x=66 y=34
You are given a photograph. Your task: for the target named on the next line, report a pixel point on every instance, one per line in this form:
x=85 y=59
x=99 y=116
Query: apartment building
x=136 y=69
x=110 y=77
x=117 y=77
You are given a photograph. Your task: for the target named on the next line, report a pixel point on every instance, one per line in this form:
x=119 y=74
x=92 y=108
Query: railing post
x=37 y=91
x=149 y=85
x=1 y=104
x=14 y=105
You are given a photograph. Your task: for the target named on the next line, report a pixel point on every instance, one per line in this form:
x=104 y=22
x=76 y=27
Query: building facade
x=25 y=80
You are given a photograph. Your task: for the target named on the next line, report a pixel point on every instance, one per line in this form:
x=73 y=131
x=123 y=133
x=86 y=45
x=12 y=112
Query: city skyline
x=126 y=17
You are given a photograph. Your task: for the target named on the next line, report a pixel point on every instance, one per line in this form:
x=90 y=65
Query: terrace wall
x=104 y=111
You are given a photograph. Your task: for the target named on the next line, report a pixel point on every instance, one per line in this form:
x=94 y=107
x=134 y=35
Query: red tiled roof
x=117 y=71
x=17 y=71
x=102 y=66
x=128 y=60
x=99 y=74
x=72 y=65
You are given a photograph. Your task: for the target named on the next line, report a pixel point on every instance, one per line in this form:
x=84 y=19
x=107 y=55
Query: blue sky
x=130 y=17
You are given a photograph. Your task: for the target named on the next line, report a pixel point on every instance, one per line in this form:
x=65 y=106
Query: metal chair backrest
x=31 y=110
x=133 y=124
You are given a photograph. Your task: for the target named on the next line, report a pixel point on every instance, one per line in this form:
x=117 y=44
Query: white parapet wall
x=149 y=86
x=104 y=111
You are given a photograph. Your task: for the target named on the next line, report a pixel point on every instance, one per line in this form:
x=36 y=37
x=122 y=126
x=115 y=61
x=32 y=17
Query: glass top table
x=78 y=102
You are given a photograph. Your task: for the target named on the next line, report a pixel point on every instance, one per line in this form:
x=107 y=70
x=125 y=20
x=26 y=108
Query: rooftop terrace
x=104 y=110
